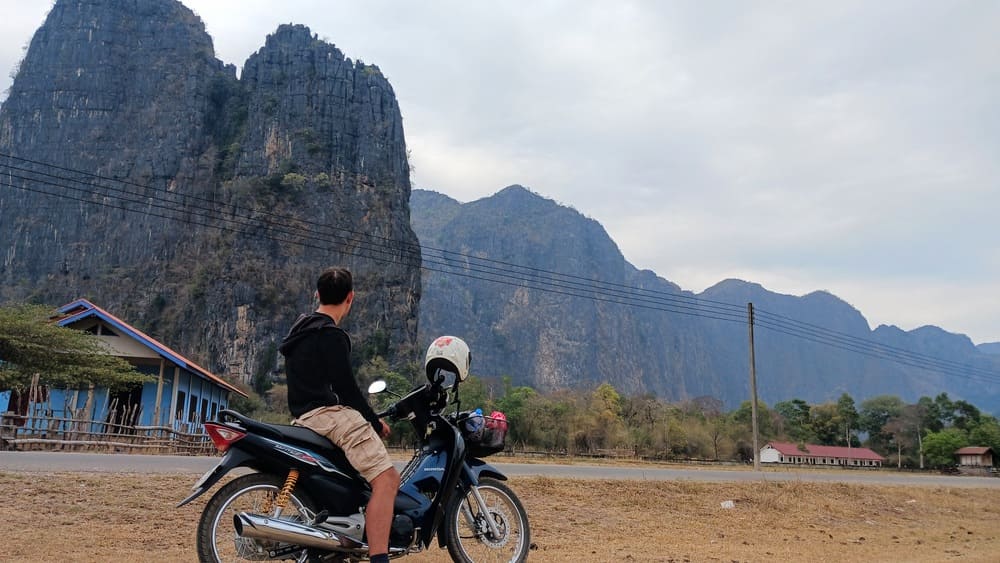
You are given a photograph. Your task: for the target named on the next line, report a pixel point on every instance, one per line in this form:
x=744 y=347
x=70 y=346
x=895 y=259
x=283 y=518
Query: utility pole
x=753 y=393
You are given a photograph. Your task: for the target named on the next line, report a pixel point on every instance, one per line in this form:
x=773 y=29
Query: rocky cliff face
x=142 y=174
x=534 y=327
x=570 y=330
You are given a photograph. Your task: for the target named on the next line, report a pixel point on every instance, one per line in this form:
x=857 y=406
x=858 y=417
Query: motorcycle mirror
x=376 y=387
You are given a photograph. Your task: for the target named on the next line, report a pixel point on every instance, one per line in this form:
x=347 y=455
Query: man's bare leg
x=378 y=514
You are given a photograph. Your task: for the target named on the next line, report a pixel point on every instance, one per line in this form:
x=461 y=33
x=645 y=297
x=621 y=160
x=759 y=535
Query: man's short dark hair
x=334 y=285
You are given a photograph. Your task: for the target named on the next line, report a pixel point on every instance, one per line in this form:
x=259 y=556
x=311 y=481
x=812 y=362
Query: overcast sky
x=848 y=146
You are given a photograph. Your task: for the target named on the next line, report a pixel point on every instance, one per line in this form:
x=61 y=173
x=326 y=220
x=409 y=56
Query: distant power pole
x=753 y=393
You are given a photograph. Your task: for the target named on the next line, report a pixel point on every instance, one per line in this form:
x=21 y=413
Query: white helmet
x=449 y=353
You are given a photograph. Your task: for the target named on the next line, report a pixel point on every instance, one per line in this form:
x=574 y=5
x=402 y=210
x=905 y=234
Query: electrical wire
x=868 y=347
x=269 y=225
x=377 y=250
x=967 y=372
x=499 y=265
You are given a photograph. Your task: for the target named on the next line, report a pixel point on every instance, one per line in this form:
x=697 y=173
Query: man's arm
x=343 y=382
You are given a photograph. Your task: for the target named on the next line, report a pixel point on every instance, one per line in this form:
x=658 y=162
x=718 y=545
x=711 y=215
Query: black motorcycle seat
x=296 y=435
x=305 y=436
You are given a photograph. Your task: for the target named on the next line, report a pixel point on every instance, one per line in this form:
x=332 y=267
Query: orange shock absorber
x=282 y=499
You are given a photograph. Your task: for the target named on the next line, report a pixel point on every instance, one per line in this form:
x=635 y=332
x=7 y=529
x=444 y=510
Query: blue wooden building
x=181 y=395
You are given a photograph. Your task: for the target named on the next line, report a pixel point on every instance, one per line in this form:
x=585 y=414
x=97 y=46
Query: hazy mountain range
x=546 y=297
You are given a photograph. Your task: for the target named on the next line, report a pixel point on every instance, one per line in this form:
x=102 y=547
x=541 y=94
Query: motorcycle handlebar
x=419 y=398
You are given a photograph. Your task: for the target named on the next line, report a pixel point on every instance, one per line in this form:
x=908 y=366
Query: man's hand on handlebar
x=385 y=429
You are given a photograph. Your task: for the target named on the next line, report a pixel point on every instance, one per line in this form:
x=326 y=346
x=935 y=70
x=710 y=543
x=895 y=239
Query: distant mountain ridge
x=810 y=347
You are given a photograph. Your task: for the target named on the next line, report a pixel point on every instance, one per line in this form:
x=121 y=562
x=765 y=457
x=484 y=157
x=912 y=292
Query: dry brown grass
x=92 y=517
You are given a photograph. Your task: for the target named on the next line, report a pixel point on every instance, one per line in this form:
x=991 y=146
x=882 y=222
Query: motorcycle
x=304 y=502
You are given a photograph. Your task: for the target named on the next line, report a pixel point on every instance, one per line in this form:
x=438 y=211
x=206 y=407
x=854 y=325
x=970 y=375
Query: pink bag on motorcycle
x=495 y=431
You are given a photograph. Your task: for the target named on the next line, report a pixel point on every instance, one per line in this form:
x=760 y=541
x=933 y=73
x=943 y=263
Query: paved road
x=121 y=463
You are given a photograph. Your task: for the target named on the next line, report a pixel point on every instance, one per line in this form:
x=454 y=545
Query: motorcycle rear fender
x=233 y=458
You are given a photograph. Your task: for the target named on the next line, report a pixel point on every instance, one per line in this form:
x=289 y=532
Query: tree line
x=35 y=351
x=602 y=420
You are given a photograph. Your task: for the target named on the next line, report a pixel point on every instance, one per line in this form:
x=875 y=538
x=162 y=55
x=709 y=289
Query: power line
x=548 y=275
x=210 y=213
x=375 y=249
x=871 y=348
x=937 y=365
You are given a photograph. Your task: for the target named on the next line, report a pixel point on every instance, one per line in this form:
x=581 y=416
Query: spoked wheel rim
x=228 y=546
x=473 y=533
x=483 y=533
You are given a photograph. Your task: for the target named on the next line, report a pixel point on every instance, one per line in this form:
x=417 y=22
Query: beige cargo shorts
x=349 y=431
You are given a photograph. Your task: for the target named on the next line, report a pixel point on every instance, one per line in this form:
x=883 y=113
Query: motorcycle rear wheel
x=467 y=533
x=217 y=539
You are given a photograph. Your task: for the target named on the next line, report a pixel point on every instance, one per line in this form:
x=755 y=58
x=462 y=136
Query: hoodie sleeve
x=342 y=377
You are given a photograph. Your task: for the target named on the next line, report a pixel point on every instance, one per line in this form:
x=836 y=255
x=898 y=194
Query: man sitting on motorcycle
x=324 y=396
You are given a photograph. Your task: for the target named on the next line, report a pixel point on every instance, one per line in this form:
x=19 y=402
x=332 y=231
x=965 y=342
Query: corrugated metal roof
x=813 y=450
x=973 y=450
x=82 y=309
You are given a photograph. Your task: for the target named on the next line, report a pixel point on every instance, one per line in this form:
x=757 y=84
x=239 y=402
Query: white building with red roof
x=811 y=454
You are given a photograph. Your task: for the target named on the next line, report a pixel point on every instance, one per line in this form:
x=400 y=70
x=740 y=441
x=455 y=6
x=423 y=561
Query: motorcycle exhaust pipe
x=264 y=528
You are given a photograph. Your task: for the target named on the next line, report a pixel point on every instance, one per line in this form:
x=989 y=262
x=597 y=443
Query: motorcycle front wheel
x=253 y=493
x=467 y=531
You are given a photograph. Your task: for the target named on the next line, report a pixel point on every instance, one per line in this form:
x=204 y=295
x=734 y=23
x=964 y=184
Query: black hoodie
x=318 y=365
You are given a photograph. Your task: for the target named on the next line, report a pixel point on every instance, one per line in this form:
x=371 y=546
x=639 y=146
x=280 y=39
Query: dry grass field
x=98 y=517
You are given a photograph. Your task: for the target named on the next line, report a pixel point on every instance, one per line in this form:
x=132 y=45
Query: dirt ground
x=97 y=517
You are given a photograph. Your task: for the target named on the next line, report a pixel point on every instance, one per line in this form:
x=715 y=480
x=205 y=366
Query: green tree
x=797 y=422
x=606 y=399
x=550 y=422
x=940 y=447
x=944 y=408
x=906 y=432
x=677 y=438
x=931 y=420
x=474 y=393
x=252 y=405
x=986 y=433
x=515 y=404
x=874 y=415
x=397 y=384
x=848 y=415
x=378 y=368
x=31 y=346
x=293 y=180
x=605 y=427
x=965 y=415
x=742 y=419
x=718 y=433
x=826 y=423
x=642 y=415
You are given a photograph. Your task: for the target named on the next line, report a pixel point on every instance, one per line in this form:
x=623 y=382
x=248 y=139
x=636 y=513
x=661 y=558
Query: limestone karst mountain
x=142 y=174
